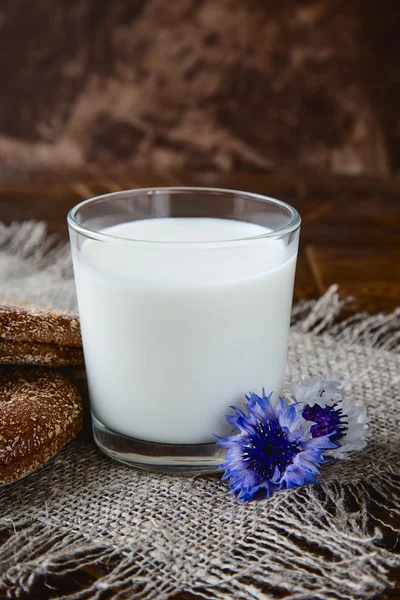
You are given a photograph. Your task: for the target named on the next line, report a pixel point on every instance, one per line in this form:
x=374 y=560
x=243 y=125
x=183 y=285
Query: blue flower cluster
x=282 y=446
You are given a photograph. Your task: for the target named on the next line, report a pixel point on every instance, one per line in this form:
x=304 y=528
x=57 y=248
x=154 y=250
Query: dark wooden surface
x=350 y=236
x=350 y=231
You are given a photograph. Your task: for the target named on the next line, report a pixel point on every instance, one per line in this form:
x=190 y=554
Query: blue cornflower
x=273 y=448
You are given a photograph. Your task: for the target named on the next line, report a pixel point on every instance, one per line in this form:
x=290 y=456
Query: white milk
x=175 y=333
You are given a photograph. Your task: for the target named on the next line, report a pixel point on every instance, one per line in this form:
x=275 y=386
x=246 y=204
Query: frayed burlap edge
x=321 y=541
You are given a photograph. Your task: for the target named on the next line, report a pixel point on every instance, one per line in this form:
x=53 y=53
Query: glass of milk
x=184 y=297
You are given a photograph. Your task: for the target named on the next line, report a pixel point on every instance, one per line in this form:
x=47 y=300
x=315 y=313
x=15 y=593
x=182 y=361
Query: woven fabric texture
x=161 y=534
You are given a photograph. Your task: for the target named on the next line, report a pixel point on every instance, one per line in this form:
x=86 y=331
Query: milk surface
x=176 y=330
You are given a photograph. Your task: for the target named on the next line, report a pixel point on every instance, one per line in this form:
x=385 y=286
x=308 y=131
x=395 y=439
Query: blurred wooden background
x=201 y=84
x=350 y=232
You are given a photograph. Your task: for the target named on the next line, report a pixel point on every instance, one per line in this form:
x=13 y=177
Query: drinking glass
x=184 y=297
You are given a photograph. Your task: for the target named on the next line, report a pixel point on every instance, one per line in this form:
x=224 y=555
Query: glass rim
x=293 y=225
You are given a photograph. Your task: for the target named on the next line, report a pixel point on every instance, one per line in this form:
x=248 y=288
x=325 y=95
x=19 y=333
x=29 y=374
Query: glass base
x=152 y=456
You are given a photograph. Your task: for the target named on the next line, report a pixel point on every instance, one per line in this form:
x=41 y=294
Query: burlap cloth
x=164 y=534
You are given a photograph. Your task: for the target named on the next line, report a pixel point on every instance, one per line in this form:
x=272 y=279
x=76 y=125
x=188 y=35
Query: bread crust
x=40 y=411
x=31 y=335
x=26 y=323
x=45 y=355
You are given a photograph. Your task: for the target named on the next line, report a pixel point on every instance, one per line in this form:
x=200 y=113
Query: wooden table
x=350 y=231
x=350 y=236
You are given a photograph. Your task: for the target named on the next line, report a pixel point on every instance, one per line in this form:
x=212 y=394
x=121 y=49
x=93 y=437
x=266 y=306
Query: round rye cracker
x=34 y=336
x=40 y=411
x=45 y=355
x=26 y=323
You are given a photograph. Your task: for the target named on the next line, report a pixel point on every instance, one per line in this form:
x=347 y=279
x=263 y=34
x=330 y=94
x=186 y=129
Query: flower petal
x=274 y=448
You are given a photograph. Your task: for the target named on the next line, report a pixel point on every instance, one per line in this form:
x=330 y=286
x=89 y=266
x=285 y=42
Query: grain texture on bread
x=40 y=411
x=25 y=323
x=45 y=355
x=34 y=336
